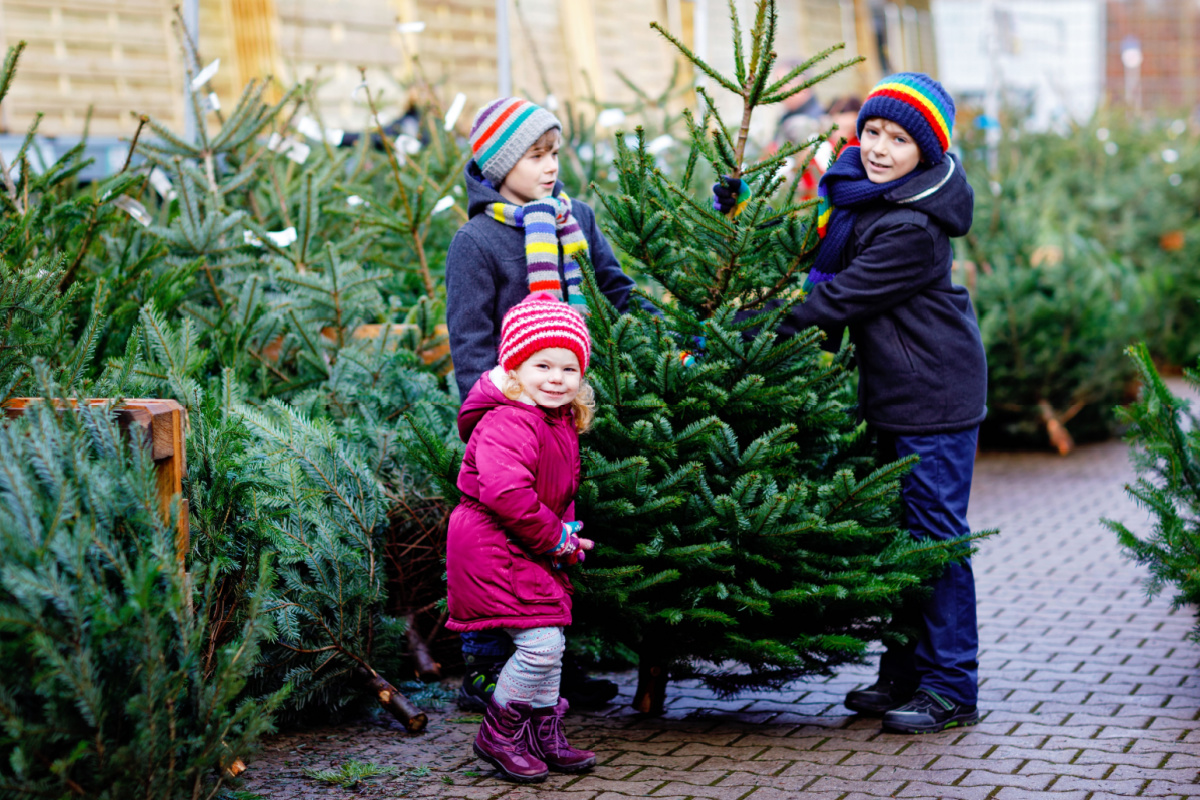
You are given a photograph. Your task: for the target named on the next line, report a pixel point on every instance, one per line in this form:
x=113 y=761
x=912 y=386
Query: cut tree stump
x=160 y=424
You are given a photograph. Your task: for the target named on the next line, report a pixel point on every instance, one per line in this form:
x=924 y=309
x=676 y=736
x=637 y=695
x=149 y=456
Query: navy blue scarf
x=843 y=191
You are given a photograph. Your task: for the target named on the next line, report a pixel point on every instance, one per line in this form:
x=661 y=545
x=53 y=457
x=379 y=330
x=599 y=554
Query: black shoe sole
x=871 y=711
x=572 y=770
x=469 y=702
x=509 y=776
x=956 y=722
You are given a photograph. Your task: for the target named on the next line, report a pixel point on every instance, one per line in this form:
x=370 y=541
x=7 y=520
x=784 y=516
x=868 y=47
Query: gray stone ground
x=1089 y=691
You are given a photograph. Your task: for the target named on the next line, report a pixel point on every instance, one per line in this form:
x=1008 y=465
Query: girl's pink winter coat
x=519 y=477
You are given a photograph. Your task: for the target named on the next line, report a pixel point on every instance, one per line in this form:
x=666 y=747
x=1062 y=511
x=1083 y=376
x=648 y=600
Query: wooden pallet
x=159 y=424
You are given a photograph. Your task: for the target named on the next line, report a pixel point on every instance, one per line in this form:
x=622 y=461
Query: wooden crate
x=114 y=55
x=161 y=425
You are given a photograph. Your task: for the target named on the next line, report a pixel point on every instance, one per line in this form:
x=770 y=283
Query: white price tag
x=134 y=209
x=162 y=184
x=443 y=204
x=206 y=74
x=455 y=111
x=282 y=238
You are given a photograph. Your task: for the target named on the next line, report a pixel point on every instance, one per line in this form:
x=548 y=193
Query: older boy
x=888 y=209
x=521 y=236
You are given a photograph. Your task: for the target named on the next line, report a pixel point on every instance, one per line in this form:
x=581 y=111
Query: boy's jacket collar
x=480 y=195
x=942 y=192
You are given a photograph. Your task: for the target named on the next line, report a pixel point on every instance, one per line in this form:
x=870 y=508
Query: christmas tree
x=1164 y=432
x=746 y=533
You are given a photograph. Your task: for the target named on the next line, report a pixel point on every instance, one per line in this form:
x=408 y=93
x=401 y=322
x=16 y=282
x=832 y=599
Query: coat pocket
x=531 y=579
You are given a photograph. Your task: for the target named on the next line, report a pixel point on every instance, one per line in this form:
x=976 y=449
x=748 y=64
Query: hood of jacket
x=484 y=396
x=942 y=193
x=481 y=193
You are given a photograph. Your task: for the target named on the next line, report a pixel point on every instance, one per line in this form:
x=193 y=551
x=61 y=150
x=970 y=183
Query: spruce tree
x=745 y=532
x=1164 y=434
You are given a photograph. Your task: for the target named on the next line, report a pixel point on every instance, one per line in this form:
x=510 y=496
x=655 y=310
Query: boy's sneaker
x=879 y=698
x=929 y=712
x=478 y=685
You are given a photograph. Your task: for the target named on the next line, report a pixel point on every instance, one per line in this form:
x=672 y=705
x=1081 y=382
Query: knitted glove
x=568 y=543
x=731 y=194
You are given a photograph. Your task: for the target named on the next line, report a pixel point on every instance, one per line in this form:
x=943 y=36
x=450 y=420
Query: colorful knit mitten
x=731 y=194
x=568 y=552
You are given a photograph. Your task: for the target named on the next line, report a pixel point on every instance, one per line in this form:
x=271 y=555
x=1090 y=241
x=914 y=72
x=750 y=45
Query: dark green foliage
x=296 y=414
x=1057 y=306
x=112 y=687
x=745 y=531
x=1164 y=432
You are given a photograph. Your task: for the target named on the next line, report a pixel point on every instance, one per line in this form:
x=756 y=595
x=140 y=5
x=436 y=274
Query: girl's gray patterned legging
x=532 y=673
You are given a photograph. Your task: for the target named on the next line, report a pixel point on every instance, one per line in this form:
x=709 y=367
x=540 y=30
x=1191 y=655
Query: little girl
x=514 y=530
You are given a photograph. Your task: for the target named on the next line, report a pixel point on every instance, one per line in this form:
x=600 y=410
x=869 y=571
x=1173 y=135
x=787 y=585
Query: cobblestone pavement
x=1089 y=691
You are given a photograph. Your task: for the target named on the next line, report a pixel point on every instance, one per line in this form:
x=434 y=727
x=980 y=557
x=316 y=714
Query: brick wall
x=1168 y=32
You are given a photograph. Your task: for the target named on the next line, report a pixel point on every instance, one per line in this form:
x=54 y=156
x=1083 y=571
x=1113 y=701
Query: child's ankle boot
x=505 y=740
x=552 y=744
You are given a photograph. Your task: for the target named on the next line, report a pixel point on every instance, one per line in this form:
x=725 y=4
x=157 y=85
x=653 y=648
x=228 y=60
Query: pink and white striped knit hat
x=538 y=322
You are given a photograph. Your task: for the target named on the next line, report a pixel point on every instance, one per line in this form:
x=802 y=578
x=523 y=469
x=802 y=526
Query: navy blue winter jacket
x=486 y=275
x=921 y=362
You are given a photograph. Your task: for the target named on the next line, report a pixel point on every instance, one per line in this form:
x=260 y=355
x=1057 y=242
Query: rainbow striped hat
x=917 y=103
x=503 y=130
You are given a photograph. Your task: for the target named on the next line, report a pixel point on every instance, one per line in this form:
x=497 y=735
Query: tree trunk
x=397 y=704
x=651 y=692
x=428 y=670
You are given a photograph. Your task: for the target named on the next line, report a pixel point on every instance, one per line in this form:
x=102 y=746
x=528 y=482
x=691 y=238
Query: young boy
x=888 y=209
x=521 y=237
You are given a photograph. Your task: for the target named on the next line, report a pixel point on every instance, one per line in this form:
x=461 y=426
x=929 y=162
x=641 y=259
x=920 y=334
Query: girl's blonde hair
x=583 y=404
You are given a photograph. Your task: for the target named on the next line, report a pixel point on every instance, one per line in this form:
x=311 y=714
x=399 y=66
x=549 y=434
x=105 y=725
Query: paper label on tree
x=443 y=204
x=284 y=237
x=408 y=144
x=214 y=102
x=292 y=148
x=410 y=27
x=298 y=152
x=310 y=128
x=206 y=74
x=162 y=184
x=249 y=238
x=134 y=209
x=455 y=111
x=354 y=201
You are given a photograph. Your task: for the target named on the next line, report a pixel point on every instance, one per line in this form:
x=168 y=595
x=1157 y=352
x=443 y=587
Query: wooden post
x=160 y=424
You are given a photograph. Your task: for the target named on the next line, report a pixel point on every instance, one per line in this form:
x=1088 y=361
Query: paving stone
x=984 y=777
x=1088 y=689
x=917 y=789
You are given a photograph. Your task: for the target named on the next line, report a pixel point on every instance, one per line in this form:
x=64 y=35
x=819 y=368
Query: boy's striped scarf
x=844 y=189
x=547 y=223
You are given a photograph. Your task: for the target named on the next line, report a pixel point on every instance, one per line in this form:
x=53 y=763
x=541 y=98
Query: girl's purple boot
x=552 y=744
x=505 y=740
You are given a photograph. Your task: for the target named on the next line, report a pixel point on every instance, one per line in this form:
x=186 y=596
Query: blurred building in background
x=122 y=56
x=1046 y=56
x=1152 y=54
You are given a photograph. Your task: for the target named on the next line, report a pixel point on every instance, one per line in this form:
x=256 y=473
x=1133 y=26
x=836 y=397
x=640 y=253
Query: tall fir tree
x=746 y=534
x=1164 y=434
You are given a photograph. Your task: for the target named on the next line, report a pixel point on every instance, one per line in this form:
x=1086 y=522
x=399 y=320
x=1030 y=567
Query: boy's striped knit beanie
x=917 y=103
x=538 y=322
x=503 y=130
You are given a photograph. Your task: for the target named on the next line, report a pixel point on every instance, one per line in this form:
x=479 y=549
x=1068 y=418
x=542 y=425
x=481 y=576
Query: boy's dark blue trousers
x=945 y=655
x=486 y=645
